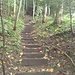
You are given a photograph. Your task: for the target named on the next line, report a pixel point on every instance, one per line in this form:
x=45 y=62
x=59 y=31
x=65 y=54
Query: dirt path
x=33 y=59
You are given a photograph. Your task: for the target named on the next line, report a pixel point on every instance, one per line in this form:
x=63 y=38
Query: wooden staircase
x=32 y=53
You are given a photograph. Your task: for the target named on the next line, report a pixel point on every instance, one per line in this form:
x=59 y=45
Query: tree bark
x=49 y=10
x=17 y=16
x=14 y=7
x=71 y=27
x=3 y=51
x=57 y=19
x=23 y=8
x=44 y=13
x=33 y=8
x=8 y=8
x=26 y=5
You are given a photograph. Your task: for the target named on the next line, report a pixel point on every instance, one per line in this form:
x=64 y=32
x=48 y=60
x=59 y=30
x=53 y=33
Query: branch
x=67 y=56
x=62 y=72
x=64 y=54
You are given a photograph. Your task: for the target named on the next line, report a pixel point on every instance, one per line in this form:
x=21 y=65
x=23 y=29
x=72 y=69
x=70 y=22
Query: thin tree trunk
x=3 y=51
x=71 y=27
x=14 y=7
x=8 y=8
x=49 y=10
x=26 y=5
x=57 y=15
x=44 y=13
x=23 y=7
x=33 y=8
x=17 y=16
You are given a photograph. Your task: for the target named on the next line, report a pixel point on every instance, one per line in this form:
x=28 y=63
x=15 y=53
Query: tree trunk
x=3 y=51
x=57 y=19
x=23 y=8
x=71 y=27
x=26 y=5
x=17 y=16
x=14 y=7
x=44 y=13
x=49 y=11
x=8 y=9
x=33 y=8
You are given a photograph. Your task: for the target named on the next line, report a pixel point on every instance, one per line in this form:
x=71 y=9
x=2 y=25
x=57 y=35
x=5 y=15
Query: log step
x=29 y=41
x=32 y=50
x=32 y=45
x=28 y=38
x=28 y=29
x=33 y=62
x=29 y=34
x=33 y=55
x=24 y=38
x=33 y=73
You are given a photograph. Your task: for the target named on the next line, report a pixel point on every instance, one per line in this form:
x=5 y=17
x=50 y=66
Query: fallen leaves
x=15 y=68
x=21 y=53
x=51 y=70
x=20 y=60
x=4 y=62
x=58 y=52
x=58 y=44
x=43 y=69
x=58 y=65
x=24 y=46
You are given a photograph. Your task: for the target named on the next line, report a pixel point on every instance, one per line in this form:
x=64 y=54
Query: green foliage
x=46 y=28
x=38 y=11
x=13 y=38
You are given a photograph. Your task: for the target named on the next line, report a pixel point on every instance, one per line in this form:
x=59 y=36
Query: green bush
x=13 y=38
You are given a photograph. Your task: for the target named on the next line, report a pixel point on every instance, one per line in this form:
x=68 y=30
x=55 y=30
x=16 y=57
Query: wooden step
x=32 y=45
x=28 y=38
x=29 y=34
x=32 y=50
x=28 y=29
x=33 y=73
x=33 y=62
x=33 y=55
x=29 y=41
x=24 y=38
x=26 y=35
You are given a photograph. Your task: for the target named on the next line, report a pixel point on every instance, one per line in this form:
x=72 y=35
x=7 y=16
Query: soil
x=53 y=47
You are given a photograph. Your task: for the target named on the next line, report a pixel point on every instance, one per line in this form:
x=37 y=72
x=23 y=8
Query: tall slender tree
x=14 y=7
x=17 y=16
x=33 y=8
x=3 y=51
x=23 y=7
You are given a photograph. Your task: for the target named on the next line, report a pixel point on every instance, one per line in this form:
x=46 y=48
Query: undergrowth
x=58 y=36
x=47 y=28
x=12 y=38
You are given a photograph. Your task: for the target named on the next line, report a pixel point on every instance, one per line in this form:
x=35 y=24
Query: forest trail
x=33 y=59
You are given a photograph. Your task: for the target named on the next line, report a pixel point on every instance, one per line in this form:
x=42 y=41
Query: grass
x=12 y=41
x=47 y=28
x=60 y=38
